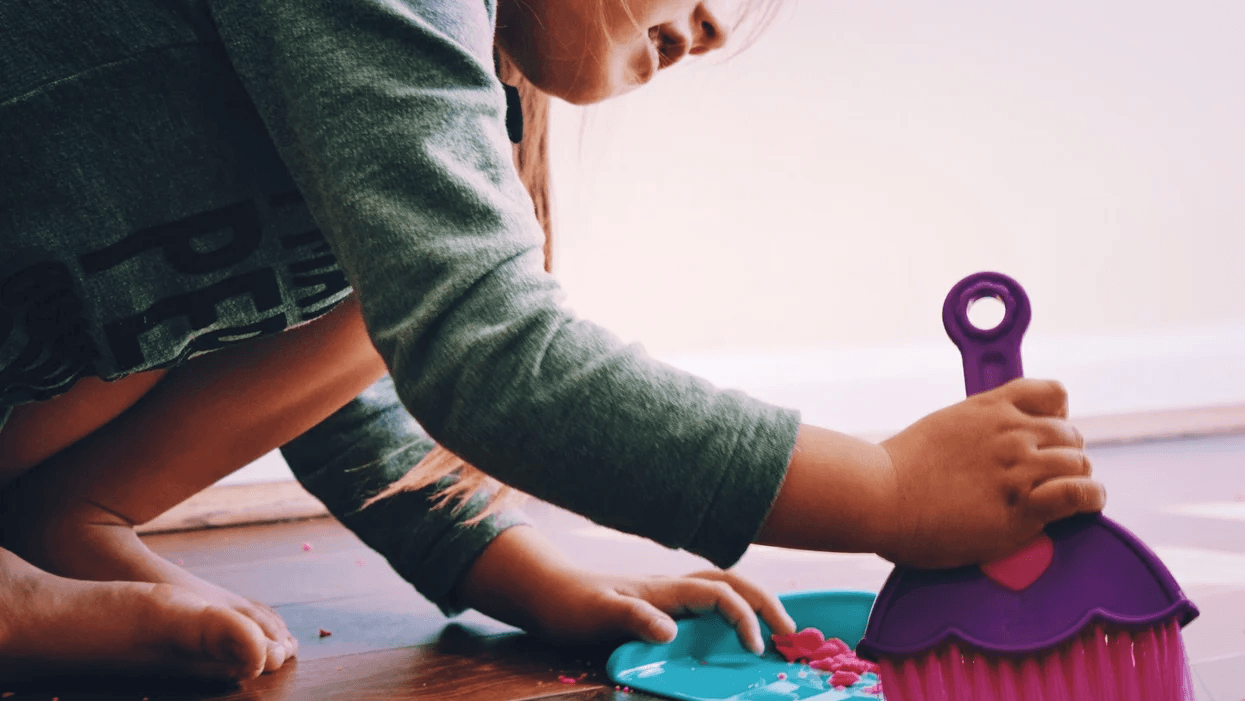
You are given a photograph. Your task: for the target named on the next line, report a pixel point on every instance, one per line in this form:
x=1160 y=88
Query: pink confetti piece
x=306 y=547
x=782 y=675
x=809 y=644
x=843 y=679
x=325 y=633
x=567 y=680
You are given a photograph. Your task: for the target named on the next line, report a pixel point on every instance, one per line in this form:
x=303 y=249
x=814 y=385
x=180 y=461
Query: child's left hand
x=594 y=605
x=523 y=580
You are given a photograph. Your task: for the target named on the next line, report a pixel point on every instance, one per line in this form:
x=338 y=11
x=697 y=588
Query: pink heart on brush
x=1022 y=568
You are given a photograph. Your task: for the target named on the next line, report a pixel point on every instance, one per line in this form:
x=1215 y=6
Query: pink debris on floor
x=325 y=633
x=306 y=547
x=567 y=680
x=835 y=656
x=808 y=645
x=843 y=678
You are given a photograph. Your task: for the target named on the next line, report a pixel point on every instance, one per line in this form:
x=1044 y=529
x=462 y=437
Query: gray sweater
x=191 y=173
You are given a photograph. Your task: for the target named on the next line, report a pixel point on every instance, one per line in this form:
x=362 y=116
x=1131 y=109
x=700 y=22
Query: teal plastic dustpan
x=706 y=661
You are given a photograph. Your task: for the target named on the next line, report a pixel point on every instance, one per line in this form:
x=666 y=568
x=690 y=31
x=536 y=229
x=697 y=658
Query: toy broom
x=1085 y=612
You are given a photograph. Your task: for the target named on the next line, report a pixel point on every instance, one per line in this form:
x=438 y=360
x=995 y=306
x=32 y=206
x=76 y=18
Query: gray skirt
x=145 y=216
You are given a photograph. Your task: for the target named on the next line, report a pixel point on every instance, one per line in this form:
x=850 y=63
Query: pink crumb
x=306 y=547
x=325 y=633
x=567 y=680
x=808 y=645
x=843 y=678
x=782 y=675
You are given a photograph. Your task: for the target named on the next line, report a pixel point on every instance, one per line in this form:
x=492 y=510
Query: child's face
x=585 y=51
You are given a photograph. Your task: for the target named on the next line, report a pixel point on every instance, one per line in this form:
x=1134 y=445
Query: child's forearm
x=838 y=496
x=515 y=579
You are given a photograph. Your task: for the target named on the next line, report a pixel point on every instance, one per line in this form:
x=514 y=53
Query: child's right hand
x=968 y=484
x=978 y=480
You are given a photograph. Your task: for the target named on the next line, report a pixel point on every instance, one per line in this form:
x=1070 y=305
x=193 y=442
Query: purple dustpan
x=1082 y=569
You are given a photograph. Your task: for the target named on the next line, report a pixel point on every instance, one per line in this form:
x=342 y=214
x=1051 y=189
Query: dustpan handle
x=991 y=356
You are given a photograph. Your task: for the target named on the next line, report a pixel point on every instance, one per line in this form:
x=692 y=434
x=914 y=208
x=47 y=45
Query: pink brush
x=1085 y=612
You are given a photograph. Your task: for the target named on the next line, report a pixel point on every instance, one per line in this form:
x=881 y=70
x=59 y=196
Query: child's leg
x=52 y=624
x=36 y=432
x=75 y=513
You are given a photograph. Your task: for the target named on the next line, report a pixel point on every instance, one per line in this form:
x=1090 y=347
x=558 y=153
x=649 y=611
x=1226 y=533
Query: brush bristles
x=1104 y=663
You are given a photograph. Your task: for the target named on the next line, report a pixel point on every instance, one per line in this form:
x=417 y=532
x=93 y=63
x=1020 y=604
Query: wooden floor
x=1186 y=498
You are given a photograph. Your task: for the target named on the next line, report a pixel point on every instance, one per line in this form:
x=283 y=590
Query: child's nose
x=707 y=31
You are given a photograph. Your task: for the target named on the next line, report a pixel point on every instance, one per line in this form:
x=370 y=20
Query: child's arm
x=500 y=565
x=522 y=579
x=971 y=483
x=404 y=160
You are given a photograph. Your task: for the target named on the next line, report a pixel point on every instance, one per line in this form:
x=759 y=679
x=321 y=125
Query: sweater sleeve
x=391 y=120
x=363 y=448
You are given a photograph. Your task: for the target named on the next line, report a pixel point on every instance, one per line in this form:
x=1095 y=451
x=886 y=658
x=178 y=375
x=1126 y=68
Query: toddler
x=240 y=214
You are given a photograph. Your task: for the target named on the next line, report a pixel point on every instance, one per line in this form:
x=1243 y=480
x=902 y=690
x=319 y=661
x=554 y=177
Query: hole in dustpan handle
x=991 y=356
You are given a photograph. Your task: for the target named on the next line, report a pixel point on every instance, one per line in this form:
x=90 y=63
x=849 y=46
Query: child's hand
x=521 y=579
x=593 y=606
x=978 y=480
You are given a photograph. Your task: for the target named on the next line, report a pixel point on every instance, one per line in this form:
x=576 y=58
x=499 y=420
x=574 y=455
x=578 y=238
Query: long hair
x=531 y=159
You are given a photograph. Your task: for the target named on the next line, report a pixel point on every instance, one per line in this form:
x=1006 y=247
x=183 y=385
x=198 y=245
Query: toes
x=235 y=644
x=281 y=645
x=275 y=656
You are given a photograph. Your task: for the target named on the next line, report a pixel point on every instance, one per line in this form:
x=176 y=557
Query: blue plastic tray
x=706 y=662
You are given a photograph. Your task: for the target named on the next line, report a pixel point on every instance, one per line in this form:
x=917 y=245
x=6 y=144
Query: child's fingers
x=701 y=596
x=1054 y=432
x=1066 y=496
x=764 y=602
x=634 y=616
x=1038 y=397
x=1053 y=463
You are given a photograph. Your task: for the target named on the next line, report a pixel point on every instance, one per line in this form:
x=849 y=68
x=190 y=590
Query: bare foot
x=49 y=623
x=88 y=543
